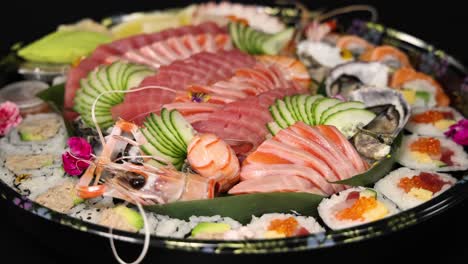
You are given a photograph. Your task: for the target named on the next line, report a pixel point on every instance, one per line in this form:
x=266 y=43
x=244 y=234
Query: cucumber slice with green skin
x=113 y=76
x=122 y=75
x=136 y=78
x=273 y=127
x=322 y=106
x=87 y=87
x=311 y=111
x=275 y=43
x=166 y=136
x=160 y=142
x=340 y=107
x=290 y=106
x=349 y=120
x=295 y=108
x=284 y=112
x=300 y=102
x=166 y=118
x=368 y=193
x=89 y=99
x=183 y=128
x=151 y=148
x=232 y=28
x=277 y=117
x=104 y=78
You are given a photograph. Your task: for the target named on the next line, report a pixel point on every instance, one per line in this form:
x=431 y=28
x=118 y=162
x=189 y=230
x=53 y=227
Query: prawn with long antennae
x=213 y=160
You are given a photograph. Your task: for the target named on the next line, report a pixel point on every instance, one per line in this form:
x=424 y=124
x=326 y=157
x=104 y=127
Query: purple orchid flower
x=75 y=161
x=459 y=132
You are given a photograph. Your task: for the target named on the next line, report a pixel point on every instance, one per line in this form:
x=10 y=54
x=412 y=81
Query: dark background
x=442 y=238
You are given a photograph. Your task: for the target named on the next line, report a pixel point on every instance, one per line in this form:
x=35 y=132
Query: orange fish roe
x=286 y=226
x=426 y=181
x=430 y=116
x=430 y=146
x=356 y=211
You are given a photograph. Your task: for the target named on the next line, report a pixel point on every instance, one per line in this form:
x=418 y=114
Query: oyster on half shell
x=374 y=140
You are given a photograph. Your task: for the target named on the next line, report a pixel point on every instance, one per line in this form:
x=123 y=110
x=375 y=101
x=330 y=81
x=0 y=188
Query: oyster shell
x=374 y=140
x=352 y=76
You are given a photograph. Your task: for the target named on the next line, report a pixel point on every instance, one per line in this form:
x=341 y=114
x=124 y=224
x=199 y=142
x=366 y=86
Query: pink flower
x=459 y=132
x=76 y=160
x=9 y=117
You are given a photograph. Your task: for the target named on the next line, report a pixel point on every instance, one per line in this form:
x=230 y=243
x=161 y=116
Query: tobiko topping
x=75 y=161
x=9 y=117
x=426 y=181
x=428 y=145
x=358 y=209
x=287 y=227
x=459 y=132
x=432 y=116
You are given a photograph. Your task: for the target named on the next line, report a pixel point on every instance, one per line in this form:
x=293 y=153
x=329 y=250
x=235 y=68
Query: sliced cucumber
x=300 y=102
x=310 y=101
x=340 y=107
x=322 y=106
x=157 y=140
x=184 y=129
x=165 y=136
x=348 y=121
x=288 y=101
x=284 y=112
x=368 y=193
x=115 y=77
x=273 y=127
x=166 y=118
x=274 y=44
x=277 y=116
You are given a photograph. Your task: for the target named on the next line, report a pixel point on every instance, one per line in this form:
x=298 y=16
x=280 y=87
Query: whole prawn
x=214 y=164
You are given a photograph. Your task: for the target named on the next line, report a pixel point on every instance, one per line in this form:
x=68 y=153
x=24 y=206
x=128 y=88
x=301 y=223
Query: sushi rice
x=432 y=129
x=409 y=159
x=388 y=186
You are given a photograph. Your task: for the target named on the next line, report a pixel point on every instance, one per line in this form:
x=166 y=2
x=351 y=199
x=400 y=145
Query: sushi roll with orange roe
x=432 y=153
x=354 y=207
x=433 y=121
x=391 y=56
x=408 y=188
x=419 y=89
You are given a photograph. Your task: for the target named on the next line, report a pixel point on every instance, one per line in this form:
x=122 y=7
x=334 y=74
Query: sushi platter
x=233 y=128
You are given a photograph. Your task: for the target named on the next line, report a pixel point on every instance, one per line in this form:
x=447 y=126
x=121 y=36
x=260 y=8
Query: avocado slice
x=132 y=217
x=207 y=227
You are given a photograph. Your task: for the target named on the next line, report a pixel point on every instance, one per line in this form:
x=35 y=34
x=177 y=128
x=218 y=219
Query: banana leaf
x=242 y=207
x=378 y=170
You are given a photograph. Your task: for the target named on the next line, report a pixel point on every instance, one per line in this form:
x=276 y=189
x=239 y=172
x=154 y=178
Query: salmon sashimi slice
x=256 y=171
x=334 y=135
x=291 y=68
x=405 y=75
x=316 y=136
x=276 y=183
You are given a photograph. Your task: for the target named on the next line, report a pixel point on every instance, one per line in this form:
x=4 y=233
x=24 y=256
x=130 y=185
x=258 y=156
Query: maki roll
x=408 y=188
x=275 y=225
x=432 y=153
x=419 y=89
x=41 y=133
x=432 y=122
x=388 y=55
x=354 y=207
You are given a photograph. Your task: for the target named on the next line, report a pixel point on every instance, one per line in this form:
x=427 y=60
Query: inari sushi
x=432 y=122
x=408 y=188
x=432 y=153
x=354 y=207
